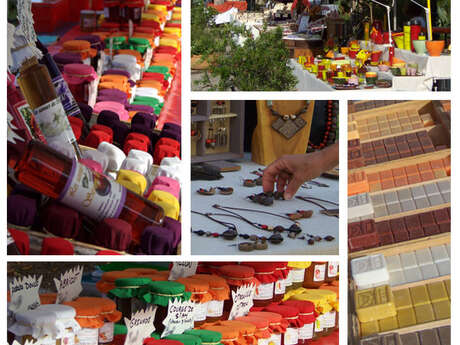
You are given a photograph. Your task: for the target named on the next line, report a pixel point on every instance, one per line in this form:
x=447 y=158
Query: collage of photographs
x=316 y=161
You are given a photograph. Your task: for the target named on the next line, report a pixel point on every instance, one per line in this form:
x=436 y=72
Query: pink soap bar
x=165 y=184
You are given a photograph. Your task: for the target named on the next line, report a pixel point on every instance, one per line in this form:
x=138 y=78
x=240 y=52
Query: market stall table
x=318 y=224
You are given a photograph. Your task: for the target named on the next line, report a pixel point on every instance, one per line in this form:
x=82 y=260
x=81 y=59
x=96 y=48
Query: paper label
x=215 y=308
x=93 y=194
x=69 y=285
x=179 y=317
x=288 y=280
x=52 y=120
x=68 y=101
x=242 y=301
x=88 y=336
x=320 y=273
x=68 y=338
x=264 y=292
x=329 y=319
x=24 y=293
x=280 y=287
x=306 y=332
x=106 y=333
x=332 y=268
x=200 y=311
x=182 y=269
x=291 y=337
x=319 y=323
x=140 y=326
x=275 y=339
x=298 y=275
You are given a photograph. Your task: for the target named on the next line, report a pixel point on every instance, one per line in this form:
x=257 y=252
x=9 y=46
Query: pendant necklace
x=288 y=124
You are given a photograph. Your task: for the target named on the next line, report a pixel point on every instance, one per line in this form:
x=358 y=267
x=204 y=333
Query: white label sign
x=24 y=293
x=320 y=273
x=179 y=318
x=242 y=301
x=182 y=269
x=140 y=326
x=69 y=285
x=332 y=268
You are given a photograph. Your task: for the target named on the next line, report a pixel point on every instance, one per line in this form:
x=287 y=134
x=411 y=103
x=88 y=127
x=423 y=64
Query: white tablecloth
x=318 y=224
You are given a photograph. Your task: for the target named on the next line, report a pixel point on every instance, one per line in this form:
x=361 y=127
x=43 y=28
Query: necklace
x=288 y=124
x=329 y=135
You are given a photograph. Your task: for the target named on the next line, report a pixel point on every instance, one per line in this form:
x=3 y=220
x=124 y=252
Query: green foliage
x=202 y=28
x=443 y=13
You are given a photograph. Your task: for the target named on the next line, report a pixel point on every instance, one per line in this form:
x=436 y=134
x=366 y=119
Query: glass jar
x=79 y=77
x=282 y=273
x=291 y=315
x=220 y=291
x=261 y=333
x=276 y=324
x=330 y=295
x=332 y=273
x=297 y=274
x=265 y=273
x=112 y=10
x=200 y=296
x=127 y=294
x=315 y=275
x=307 y=317
x=107 y=281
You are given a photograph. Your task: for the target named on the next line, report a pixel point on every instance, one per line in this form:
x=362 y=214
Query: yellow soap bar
x=424 y=313
x=441 y=310
x=419 y=295
x=369 y=328
x=447 y=285
x=374 y=304
x=437 y=292
x=402 y=299
x=388 y=324
x=406 y=317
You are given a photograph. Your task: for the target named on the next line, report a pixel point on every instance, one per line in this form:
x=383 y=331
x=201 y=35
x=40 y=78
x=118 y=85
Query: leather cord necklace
x=328 y=212
x=288 y=124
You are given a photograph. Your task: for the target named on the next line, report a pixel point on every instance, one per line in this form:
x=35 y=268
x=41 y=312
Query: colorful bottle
x=53 y=174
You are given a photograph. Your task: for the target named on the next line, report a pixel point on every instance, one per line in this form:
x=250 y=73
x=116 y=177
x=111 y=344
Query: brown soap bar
x=363 y=242
x=401 y=236
x=353 y=143
x=406 y=317
x=444 y=335
x=417 y=233
x=409 y=339
x=377 y=143
x=367 y=147
x=354 y=229
x=367 y=226
x=429 y=337
x=412 y=222
x=445 y=227
x=431 y=230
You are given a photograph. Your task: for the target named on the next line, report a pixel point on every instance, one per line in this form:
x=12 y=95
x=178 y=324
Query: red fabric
x=154 y=76
x=169 y=142
x=163 y=151
x=114 y=234
x=21 y=240
x=139 y=137
x=94 y=138
x=107 y=252
x=134 y=144
x=56 y=246
x=307 y=312
x=76 y=131
x=76 y=121
x=289 y=313
x=103 y=128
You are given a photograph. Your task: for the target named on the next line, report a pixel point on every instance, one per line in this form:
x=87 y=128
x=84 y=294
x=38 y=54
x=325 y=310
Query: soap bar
x=424 y=313
x=447 y=285
x=402 y=299
x=429 y=271
x=439 y=254
x=409 y=339
x=413 y=274
x=424 y=256
x=373 y=340
x=391 y=339
x=388 y=324
x=419 y=295
x=369 y=271
x=441 y=310
x=369 y=328
x=443 y=268
x=437 y=292
x=397 y=278
x=374 y=304
x=429 y=337
x=408 y=260
x=406 y=317
x=393 y=263
x=444 y=335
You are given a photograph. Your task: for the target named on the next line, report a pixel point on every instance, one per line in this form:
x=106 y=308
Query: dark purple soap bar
x=444 y=335
x=429 y=337
x=409 y=339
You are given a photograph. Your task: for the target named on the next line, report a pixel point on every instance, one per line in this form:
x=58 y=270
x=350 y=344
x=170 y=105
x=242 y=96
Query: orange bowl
x=435 y=48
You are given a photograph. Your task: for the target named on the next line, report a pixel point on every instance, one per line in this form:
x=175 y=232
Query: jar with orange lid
x=161 y=292
x=200 y=296
x=128 y=294
x=92 y=314
x=291 y=315
x=112 y=10
x=262 y=332
x=276 y=324
x=265 y=273
x=247 y=330
x=107 y=281
x=307 y=316
x=236 y=276
x=219 y=290
x=230 y=336
x=332 y=272
x=315 y=275
x=297 y=274
x=282 y=273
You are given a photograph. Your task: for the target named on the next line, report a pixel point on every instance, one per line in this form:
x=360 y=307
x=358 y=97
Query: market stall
x=95 y=134
x=399 y=221
x=175 y=303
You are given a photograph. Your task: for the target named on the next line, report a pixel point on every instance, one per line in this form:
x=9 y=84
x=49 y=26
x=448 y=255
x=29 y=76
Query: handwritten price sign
x=69 y=286
x=182 y=269
x=242 y=301
x=179 y=318
x=140 y=326
x=24 y=293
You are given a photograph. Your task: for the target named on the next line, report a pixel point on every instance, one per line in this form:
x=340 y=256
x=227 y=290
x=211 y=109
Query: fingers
x=269 y=178
x=292 y=187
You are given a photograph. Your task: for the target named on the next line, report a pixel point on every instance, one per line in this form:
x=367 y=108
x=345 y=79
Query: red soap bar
x=354 y=229
x=398 y=172
x=414 y=179
x=361 y=242
x=367 y=226
x=416 y=233
x=427 y=219
x=383 y=227
x=386 y=238
x=427 y=175
x=437 y=164
x=425 y=166
x=431 y=230
x=444 y=227
x=412 y=222
x=401 y=236
x=387 y=184
x=386 y=175
x=411 y=170
x=400 y=181
x=397 y=225
x=441 y=216
x=373 y=177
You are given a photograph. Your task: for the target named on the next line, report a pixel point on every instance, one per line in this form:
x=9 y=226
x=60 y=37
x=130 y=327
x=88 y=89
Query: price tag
x=24 y=293
x=69 y=286
x=140 y=326
x=242 y=301
x=179 y=318
x=182 y=269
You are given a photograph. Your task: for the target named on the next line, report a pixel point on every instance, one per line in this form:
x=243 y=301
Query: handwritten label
x=182 y=269
x=24 y=293
x=179 y=318
x=140 y=326
x=242 y=301
x=69 y=286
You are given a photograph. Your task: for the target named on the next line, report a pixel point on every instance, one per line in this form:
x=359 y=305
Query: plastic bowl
x=420 y=46
x=435 y=48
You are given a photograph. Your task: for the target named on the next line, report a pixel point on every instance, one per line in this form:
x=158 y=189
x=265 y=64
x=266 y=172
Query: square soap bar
x=410 y=339
x=419 y=295
x=439 y=253
x=441 y=310
x=413 y=274
x=444 y=335
x=429 y=271
x=397 y=278
x=391 y=339
x=437 y=292
x=373 y=340
x=388 y=324
x=374 y=304
x=369 y=271
x=424 y=313
x=429 y=337
x=369 y=328
x=402 y=299
x=406 y=317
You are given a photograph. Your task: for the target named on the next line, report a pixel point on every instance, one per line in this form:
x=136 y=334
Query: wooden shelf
x=420 y=327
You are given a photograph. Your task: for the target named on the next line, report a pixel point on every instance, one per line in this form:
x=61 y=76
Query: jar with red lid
x=247 y=330
x=265 y=273
x=236 y=276
x=276 y=324
x=132 y=10
x=315 y=275
x=291 y=315
x=220 y=291
x=112 y=10
x=262 y=332
x=200 y=296
x=297 y=274
x=307 y=316
x=282 y=274
x=332 y=273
